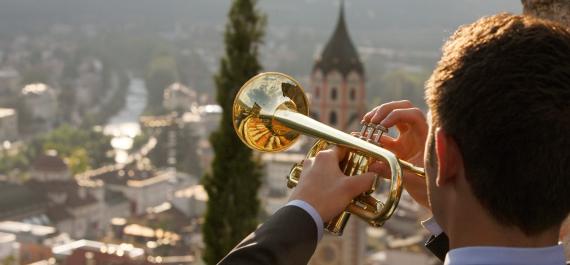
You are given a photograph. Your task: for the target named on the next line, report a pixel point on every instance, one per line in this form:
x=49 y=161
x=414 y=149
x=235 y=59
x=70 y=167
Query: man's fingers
x=340 y=152
x=410 y=116
x=307 y=163
x=335 y=153
x=357 y=184
x=383 y=110
x=387 y=141
x=329 y=158
x=380 y=168
x=369 y=115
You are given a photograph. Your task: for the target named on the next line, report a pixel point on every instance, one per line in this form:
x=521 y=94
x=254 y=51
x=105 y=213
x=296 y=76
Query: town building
x=274 y=189
x=41 y=101
x=116 y=204
x=9 y=82
x=143 y=188
x=164 y=230
x=28 y=233
x=93 y=252
x=49 y=167
x=346 y=249
x=191 y=200
x=8 y=125
x=9 y=248
x=18 y=202
x=179 y=97
x=32 y=253
x=52 y=197
x=30 y=242
x=72 y=209
x=277 y=168
x=204 y=120
x=338 y=81
x=89 y=81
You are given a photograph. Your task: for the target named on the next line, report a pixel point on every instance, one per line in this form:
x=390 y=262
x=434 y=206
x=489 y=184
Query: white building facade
x=41 y=100
x=8 y=125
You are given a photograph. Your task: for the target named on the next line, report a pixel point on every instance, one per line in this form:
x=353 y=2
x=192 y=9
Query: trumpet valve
x=294 y=175
x=372 y=132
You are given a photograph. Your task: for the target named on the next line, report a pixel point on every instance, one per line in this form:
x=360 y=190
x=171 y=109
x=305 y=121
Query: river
x=124 y=126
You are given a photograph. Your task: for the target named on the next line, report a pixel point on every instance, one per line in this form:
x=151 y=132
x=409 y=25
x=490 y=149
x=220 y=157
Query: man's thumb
x=357 y=184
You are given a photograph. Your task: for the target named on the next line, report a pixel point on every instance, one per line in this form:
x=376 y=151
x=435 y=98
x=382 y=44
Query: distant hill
x=395 y=23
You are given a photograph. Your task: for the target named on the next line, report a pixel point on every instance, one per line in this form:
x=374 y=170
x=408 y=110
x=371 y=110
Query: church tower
x=338 y=100
x=338 y=81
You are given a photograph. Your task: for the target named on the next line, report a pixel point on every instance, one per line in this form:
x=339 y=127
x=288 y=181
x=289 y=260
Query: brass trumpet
x=269 y=114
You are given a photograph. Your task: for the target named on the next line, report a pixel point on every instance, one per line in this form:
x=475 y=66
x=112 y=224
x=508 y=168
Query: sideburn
x=431 y=159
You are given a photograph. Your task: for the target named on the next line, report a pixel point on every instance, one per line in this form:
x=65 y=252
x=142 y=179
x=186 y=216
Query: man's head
x=501 y=94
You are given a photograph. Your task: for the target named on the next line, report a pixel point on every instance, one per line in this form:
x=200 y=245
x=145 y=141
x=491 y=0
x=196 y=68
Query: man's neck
x=477 y=228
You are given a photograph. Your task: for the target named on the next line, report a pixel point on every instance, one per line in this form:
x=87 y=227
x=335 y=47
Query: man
x=496 y=147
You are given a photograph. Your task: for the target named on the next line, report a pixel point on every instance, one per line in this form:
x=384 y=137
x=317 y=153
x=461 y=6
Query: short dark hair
x=502 y=91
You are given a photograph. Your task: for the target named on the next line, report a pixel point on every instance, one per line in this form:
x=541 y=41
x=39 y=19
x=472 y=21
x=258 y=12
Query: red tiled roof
x=70 y=188
x=79 y=257
x=49 y=163
x=121 y=176
x=30 y=253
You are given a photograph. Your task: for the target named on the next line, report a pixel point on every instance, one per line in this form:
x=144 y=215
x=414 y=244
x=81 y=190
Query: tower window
x=333 y=93
x=332 y=118
x=315 y=115
x=353 y=93
x=317 y=92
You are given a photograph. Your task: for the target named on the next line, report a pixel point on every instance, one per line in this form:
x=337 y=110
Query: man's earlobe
x=448 y=156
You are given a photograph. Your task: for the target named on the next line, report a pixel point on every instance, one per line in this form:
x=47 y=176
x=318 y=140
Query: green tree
x=67 y=102
x=78 y=160
x=187 y=159
x=10 y=260
x=13 y=163
x=35 y=75
x=232 y=185
x=162 y=72
x=81 y=148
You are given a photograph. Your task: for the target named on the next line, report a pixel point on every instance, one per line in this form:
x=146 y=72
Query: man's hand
x=323 y=185
x=409 y=145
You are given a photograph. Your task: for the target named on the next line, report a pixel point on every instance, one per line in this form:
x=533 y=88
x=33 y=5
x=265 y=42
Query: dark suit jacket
x=438 y=245
x=290 y=237
x=287 y=237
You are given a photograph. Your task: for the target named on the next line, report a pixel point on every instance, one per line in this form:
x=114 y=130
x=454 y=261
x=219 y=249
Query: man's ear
x=448 y=157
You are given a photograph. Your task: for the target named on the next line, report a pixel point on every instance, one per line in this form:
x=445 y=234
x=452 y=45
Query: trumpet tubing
x=270 y=112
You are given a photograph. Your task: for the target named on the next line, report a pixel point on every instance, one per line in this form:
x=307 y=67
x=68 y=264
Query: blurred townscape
x=106 y=109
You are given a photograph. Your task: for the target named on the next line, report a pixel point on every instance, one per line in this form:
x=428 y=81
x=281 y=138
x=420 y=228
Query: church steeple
x=337 y=80
x=340 y=53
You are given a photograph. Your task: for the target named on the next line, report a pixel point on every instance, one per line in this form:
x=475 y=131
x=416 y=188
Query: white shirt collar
x=503 y=255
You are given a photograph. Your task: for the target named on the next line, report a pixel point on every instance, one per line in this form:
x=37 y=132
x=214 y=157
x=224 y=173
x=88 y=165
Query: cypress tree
x=232 y=185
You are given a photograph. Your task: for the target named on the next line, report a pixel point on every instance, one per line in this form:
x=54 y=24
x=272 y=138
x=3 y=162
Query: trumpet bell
x=254 y=108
